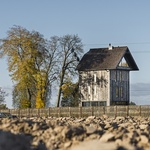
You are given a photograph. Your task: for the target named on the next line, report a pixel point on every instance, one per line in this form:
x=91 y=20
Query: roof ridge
x=113 y=47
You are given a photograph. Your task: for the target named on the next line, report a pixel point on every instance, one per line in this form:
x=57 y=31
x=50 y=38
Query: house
x=104 y=76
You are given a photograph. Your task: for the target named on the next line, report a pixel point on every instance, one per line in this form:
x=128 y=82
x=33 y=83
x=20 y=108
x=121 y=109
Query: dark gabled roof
x=103 y=58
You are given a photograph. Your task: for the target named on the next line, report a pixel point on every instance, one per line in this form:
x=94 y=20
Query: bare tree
x=71 y=48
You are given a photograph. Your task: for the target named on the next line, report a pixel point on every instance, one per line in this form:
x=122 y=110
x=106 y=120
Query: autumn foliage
x=35 y=64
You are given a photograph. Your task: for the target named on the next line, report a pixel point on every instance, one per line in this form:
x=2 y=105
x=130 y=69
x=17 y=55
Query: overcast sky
x=97 y=23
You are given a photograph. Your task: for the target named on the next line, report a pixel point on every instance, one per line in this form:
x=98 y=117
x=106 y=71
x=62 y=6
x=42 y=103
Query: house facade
x=104 y=76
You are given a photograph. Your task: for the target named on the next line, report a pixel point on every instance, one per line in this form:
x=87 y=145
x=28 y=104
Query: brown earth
x=91 y=133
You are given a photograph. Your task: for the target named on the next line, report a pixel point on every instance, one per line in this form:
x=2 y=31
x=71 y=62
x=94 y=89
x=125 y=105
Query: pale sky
x=97 y=23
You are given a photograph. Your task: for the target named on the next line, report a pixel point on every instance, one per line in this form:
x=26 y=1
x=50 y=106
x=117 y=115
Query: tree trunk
x=61 y=83
x=59 y=94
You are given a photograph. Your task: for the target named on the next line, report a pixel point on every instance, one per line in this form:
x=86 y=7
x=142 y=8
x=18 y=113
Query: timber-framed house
x=104 y=76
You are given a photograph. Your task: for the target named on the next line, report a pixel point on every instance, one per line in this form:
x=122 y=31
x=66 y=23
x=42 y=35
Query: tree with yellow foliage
x=30 y=63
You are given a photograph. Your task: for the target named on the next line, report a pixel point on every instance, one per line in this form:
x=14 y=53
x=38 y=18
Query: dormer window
x=123 y=63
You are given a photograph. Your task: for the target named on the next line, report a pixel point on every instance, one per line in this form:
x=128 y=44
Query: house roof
x=103 y=58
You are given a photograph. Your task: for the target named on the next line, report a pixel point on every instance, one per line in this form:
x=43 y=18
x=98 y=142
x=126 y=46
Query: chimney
x=110 y=47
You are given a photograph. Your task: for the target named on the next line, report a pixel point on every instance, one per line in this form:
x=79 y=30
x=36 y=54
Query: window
x=123 y=63
x=89 y=90
x=120 y=75
x=116 y=76
x=96 y=103
x=85 y=104
x=94 y=78
x=121 y=91
x=95 y=92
